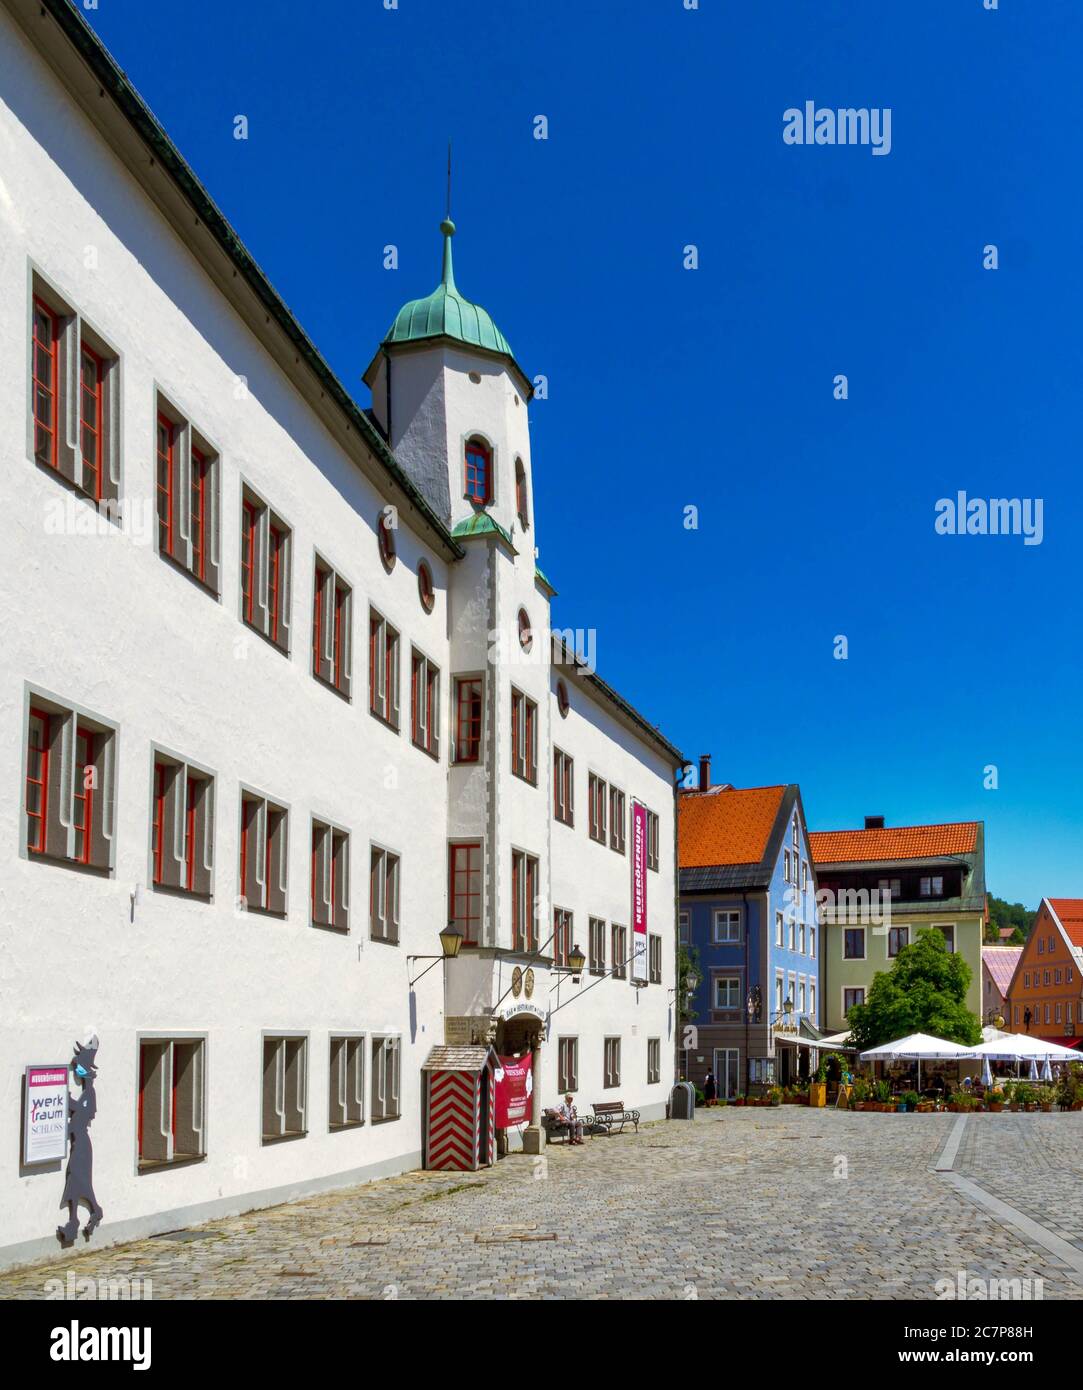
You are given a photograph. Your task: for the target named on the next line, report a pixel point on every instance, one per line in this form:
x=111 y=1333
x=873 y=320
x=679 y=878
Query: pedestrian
x=709 y=1090
x=570 y=1116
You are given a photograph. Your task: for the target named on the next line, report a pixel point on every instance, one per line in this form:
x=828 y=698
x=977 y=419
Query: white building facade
x=278 y=703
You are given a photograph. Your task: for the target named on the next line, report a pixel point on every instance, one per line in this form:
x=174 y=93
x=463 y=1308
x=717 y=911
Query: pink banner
x=639 y=891
x=513 y=1092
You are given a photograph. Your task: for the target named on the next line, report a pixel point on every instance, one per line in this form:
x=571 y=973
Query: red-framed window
x=161 y=781
x=524 y=895
x=199 y=514
x=274 y=582
x=83 y=808
x=563 y=787
x=317 y=618
x=91 y=377
x=249 y=520
x=37 y=780
x=520 y=494
x=478 y=470
x=46 y=372
x=464 y=890
x=468 y=708
x=249 y=819
x=166 y=442
x=424 y=704
x=524 y=736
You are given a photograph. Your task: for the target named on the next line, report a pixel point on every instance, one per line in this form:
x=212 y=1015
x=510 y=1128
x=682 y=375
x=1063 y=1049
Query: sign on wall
x=45 y=1118
x=639 y=892
x=514 y=1083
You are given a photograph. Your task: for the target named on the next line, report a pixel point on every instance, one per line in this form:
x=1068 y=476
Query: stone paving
x=780 y=1203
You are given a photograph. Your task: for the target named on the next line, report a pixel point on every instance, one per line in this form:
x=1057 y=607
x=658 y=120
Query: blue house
x=748 y=912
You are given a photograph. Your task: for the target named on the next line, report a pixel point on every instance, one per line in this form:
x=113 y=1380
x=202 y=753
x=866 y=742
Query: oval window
x=562 y=699
x=425 y=589
x=385 y=538
x=526 y=636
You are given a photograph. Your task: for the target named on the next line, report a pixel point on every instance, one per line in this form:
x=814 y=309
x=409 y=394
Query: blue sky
x=713 y=388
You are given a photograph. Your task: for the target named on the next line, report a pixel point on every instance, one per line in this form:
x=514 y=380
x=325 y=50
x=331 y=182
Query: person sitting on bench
x=567 y=1113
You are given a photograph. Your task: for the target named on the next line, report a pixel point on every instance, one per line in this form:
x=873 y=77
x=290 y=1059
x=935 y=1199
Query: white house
x=265 y=650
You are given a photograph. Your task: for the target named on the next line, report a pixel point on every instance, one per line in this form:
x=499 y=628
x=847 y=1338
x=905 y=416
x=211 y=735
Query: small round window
x=424 y=587
x=526 y=636
x=385 y=536
x=562 y=699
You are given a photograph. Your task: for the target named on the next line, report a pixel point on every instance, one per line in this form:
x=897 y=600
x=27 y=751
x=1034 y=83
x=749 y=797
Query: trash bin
x=682 y=1101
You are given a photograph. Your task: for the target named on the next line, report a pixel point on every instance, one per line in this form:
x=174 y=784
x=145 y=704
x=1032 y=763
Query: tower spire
x=448 y=229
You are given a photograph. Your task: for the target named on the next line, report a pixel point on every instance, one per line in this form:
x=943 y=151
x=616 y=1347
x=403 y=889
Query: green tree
x=687 y=967
x=1005 y=914
x=923 y=992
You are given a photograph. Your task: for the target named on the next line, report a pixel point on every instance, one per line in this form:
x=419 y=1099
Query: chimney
x=705 y=772
x=874 y=822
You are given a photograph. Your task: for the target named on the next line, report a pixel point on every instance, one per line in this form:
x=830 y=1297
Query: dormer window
x=520 y=494
x=478 y=472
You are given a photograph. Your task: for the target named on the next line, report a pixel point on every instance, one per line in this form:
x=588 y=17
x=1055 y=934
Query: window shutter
x=272 y=1087
x=182 y=494
x=341 y=880
x=261 y=571
x=173 y=802
x=393 y=1081
x=157 y=1102
x=278 y=860
x=346 y=638
x=255 y=873
x=60 y=824
x=188 y=1077
x=338 y=1081
x=294 y=1084
x=321 y=904
x=434 y=712
x=327 y=623
x=285 y=589
x=69 y=454
x=203 y=857
x=392 y=639
x=212 y=570
x=111 y=418
x=103 y=819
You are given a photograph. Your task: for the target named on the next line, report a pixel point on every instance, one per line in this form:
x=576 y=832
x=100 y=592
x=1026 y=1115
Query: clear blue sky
x=713 y=387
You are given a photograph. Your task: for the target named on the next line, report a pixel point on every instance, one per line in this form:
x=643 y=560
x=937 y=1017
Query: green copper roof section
x=542 y=578
x=481 y=524
x=447 y=314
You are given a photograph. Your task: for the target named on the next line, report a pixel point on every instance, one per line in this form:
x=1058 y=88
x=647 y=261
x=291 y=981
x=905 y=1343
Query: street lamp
x=451 y=940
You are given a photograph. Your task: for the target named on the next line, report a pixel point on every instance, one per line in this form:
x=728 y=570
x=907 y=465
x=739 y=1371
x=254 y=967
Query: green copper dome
x=447 y=314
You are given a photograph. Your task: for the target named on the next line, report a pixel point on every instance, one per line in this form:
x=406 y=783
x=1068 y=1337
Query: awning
x=1063 y=1042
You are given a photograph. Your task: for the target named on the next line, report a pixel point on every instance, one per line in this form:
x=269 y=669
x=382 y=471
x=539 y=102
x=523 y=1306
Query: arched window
x=479 y=472
x=520 y=494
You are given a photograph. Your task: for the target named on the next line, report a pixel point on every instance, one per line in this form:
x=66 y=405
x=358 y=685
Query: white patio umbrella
x=1020 y=1047
x=1033 y=1073
x=986 y=1073
x=919 y=1047
x=1047 y=1071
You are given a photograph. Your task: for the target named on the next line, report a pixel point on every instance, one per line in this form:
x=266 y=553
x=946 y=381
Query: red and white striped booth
x=458 y=1093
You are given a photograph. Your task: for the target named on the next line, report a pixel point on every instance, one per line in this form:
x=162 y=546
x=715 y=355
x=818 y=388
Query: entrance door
x=726 y=1071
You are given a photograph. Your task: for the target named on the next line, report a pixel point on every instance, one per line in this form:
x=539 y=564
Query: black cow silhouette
x=79 y=1175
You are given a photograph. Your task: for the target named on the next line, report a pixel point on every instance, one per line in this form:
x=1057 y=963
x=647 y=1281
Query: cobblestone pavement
x=741 y=1203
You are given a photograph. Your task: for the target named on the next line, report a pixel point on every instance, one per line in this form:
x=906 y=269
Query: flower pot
x=1014 y=1107
x=1031 y=1106
x=817 y=1093
x=995 y=1107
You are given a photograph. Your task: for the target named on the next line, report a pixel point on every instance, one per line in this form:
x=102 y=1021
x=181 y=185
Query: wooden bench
x=608 y=1113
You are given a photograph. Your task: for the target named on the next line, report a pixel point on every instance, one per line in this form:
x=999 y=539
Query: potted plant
x=883 y=1095
x=910 y=1101
x=774 y=1095
x=994 y=1099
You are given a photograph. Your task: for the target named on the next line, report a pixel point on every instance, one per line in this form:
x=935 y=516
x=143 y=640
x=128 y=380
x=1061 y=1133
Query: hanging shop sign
x=514 y=1084
x=639 y=892
x=45 y=1118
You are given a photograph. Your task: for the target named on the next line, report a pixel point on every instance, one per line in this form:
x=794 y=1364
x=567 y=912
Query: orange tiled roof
x=1070 y=912
x=893 y=842
x=728 y=826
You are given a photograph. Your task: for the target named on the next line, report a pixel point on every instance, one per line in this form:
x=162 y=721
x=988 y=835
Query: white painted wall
x=104 y=623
